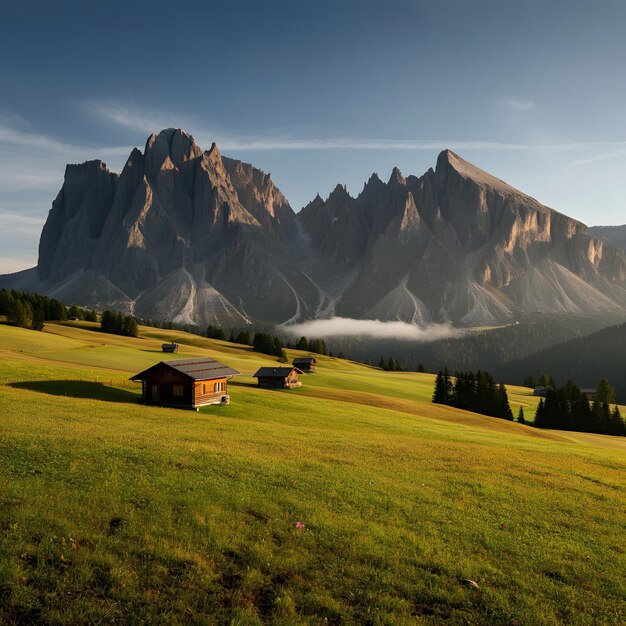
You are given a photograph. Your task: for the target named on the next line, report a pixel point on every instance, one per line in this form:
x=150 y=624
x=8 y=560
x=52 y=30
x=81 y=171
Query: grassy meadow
x=351 y=500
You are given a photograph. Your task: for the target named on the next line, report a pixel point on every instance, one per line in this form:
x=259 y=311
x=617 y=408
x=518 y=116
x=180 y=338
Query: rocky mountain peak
x=396 y=179
x=374 y=179
x=174 y=143
x=74 y=171
x=196 y=237
x=449 y=161
x=340 y=192
x=214 y=151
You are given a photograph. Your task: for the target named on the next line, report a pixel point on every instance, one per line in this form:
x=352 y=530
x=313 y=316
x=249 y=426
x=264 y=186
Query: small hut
x=278 y=377
x=590 y=393
x=169 y=347
x=541 y=392
x=186 y=383
x=305 y=363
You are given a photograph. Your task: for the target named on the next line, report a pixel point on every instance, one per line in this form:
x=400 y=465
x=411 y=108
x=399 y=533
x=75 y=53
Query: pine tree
x=447 y=384
x=520 y=416
x=130 y=327
x=604 y=392
x=618 y=426
x=540 y=415
x=439 y=394
x=20 y=313
x=6 y=302
x=381 y=364
x=503 y=407
x=302 y=344
x=38 y=317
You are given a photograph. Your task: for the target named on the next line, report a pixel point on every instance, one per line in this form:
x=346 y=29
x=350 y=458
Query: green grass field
x=113 y=512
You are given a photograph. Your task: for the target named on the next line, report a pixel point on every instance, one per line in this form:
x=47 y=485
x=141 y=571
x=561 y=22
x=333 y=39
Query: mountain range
x=614 y=235
x=195 y=237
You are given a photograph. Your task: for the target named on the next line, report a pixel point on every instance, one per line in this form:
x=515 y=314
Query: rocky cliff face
x=613 y=235
x=171 y=238
x=457 y=244
x=188 y=235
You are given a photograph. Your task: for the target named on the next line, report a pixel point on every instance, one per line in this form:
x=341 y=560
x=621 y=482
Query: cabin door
x=155 y=393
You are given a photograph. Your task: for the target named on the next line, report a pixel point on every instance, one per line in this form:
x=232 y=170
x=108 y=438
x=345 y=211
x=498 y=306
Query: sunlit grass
x=111 y=511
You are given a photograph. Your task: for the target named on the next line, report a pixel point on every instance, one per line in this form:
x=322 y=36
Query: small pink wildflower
x=300 y=524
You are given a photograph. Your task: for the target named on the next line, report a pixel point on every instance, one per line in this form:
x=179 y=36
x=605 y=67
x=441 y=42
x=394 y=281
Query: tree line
x=585 y=360
x=568 y=408
x=119 y=324
x=541 y=381
x=477 y=392
x=267 y=343
x=31 y=310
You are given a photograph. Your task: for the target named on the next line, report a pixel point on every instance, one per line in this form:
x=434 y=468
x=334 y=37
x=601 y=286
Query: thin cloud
x=36 y=161
x=599 y=157
x=9 y=135
x=373 y=329
x=15 y=224
x=363 y=144
x=123 y=116
x=517 y=104
x=150 y=121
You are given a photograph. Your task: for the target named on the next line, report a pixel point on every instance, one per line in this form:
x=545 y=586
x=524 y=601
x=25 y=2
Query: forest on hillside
x=586 y=360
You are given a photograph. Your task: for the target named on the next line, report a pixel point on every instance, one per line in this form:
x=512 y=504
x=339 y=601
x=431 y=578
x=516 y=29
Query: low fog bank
x=373 y=329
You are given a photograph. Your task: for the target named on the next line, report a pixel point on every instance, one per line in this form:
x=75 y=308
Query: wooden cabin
x=278 y=377
x=589 y=393
x=186 y=383
x=305 y=363
x=169 y=347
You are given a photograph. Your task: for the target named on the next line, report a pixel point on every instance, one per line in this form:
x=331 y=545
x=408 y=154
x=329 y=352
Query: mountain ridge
x=193 y=236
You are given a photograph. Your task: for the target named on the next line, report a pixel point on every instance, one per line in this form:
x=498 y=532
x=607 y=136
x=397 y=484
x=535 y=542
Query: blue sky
x=317 y=93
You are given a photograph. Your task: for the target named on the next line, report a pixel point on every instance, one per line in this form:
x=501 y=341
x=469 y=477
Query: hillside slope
x=350 y=500
x=614 y=235
x=584 y=360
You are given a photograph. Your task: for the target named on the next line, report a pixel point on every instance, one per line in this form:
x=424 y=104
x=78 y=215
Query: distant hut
x=541 y=392
x=305 y=363
x=186 y=383
x=590 y=394
x=169 y=347
x=278 y=377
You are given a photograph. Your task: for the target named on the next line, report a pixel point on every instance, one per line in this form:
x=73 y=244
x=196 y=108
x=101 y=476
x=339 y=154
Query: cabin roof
x=304 y=359
x=171 y=343
x=204 y=368
x=275 y=372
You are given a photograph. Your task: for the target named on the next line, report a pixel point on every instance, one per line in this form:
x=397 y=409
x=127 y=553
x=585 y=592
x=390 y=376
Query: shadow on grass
x=239 y=383
x=79 y=389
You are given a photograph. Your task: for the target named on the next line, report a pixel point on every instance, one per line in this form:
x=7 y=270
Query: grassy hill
x=111 y=511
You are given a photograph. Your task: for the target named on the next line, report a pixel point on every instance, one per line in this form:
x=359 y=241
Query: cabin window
x=178 y=390
x=203 y=389
x=218 y=387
